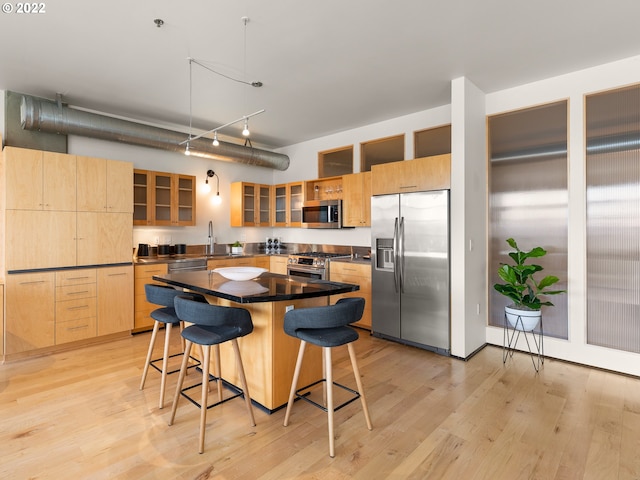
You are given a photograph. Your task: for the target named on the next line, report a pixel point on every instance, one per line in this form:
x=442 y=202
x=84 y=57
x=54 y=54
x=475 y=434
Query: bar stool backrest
x=161 y=295
x=343 y=313
x=205 y=314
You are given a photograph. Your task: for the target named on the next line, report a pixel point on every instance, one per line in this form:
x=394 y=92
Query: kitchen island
x=268 y=354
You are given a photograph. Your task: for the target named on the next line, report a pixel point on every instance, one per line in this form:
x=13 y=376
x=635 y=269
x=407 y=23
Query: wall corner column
x=468 y=218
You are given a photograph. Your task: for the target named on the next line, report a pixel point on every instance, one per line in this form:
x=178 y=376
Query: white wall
x=574 y=86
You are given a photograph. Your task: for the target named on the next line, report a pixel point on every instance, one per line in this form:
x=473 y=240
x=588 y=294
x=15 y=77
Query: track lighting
x=245 y=131
x=187 y=152
x=215 y=139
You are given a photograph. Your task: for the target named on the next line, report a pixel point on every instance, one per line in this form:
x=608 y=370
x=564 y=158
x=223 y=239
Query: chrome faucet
x=211 y=245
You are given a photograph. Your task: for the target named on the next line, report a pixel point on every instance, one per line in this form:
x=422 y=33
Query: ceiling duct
x=44 y=116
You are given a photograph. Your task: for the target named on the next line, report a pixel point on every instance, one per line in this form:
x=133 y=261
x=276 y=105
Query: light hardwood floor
x=80 y=414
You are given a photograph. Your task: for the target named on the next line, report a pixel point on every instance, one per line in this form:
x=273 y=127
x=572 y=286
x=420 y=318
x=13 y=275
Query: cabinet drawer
x=75 y=277
x=73 y=330
x=148 y=271
x=139 y=283
x=73 y=292
x=75 y=309
x=359 y=269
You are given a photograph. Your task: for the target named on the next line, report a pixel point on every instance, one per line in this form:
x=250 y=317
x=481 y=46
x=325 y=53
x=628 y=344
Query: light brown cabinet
x=250 y=205
x=418 y=175
x=71 y=220
x=287 y=204
x=40 y=239
x=75 y=310
x=174 y=199
x=164 y=199
x=30 y=312
x=104 y=185
x=357 y=274
x=278 y=264
x=115 y=300
x=37 y=180
x=356 y=200
x=1 y=319
x=142 y=309
x=103 y=238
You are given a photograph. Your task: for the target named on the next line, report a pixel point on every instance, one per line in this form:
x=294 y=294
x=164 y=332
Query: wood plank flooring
x=79 y=414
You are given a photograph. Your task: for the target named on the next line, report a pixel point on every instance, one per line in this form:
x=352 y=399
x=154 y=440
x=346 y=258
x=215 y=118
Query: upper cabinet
x=37 y=180
x=287 y=204
x=250 y=205
x=419 y=175
x=356 y=200
x=104 y=185
x=66 y=211
x=167 y=199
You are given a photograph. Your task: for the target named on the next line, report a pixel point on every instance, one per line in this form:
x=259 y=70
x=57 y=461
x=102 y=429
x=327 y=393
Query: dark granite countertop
x=268 y=287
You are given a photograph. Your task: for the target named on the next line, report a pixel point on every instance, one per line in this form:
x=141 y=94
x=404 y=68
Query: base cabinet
x=30 y=312
x=278 y=264
x=46 y=309
x=115 y=300
x=357 y=274
x=143 y=275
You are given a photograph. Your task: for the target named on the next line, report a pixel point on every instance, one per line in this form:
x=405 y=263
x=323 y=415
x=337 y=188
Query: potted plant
x=522 y=288
x=236 y=248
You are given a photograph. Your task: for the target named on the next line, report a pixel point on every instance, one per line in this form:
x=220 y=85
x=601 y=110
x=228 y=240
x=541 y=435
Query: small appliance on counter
x=143 y=250
x=164 y=250
x=180 y=248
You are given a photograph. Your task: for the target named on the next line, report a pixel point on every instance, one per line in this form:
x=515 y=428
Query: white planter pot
x=236 y=250
x=528 y=319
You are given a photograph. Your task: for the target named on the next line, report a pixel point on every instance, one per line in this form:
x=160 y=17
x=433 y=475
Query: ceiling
x=326 y=66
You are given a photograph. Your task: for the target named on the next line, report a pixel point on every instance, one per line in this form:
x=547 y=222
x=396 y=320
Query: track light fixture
x=245 y=118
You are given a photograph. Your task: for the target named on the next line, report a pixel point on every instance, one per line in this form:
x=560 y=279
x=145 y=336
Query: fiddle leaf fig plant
x=520 y=286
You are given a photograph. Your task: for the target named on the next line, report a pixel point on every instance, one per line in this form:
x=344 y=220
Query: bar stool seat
x=211 y=325
x=326 y=327
x=166 y=315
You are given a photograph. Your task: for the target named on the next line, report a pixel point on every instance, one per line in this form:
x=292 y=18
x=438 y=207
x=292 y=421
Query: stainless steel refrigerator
x=410 y=269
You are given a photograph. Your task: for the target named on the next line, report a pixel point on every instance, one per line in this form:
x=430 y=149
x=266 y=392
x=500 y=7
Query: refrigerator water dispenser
x=384 y=254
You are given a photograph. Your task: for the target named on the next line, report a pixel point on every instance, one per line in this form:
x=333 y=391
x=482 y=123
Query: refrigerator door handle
x=401 y=253
x=396 y=271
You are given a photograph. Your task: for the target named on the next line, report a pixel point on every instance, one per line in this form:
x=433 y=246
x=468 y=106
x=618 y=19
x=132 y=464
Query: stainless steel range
x=312 y=264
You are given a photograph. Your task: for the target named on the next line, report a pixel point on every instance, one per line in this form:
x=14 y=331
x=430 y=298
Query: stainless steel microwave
x=322 y=214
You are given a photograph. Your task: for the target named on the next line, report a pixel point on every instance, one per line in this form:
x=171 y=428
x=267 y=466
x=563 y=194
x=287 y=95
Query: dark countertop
x=185 y=257
x=268 y=287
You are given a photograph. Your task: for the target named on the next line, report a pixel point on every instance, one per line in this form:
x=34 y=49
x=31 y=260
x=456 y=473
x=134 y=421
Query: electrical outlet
x=288 y=308
x=477 y=309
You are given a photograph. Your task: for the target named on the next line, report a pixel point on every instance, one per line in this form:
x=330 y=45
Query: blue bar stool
x=326 y=327
x=211 y=326
x=163 y=296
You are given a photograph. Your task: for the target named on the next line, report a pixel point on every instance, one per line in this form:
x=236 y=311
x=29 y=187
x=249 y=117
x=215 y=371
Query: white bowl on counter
x=240 y=273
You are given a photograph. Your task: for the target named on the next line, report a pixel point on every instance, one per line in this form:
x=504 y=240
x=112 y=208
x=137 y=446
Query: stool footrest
x=304 y=396
x=236 y=392
x=194 y=365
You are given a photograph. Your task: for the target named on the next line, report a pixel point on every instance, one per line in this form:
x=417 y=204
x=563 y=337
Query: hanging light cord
x=252 y=84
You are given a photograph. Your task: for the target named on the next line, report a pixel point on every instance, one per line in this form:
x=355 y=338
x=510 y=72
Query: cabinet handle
x=77 y=278
x=33 y=282
x=78 y=293
x=408 y=186
x=116 y=274
x=80 y=327
x=80 y=307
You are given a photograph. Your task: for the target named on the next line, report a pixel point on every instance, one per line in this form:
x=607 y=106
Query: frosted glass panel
x=613 y=219
x=528 y=200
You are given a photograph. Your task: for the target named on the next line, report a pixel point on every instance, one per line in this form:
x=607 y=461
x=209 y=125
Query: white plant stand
x=511 y=334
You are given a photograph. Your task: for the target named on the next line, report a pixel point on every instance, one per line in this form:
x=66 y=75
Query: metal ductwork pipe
x=39 y=114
